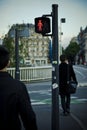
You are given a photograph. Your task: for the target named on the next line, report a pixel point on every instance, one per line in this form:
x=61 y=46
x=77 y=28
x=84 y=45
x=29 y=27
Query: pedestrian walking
x=15 y=104
x=63 y=87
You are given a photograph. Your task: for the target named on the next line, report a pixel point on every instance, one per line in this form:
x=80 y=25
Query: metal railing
x=33 y=73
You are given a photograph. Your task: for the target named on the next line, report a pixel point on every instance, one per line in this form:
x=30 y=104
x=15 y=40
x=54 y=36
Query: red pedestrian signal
x=42 y=25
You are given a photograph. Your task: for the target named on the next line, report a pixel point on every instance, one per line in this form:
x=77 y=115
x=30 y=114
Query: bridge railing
x=33 y=73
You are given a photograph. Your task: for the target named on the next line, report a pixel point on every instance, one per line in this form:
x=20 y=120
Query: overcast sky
x=19 y=11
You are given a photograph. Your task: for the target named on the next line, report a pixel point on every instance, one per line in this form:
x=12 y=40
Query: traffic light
x=42 y=25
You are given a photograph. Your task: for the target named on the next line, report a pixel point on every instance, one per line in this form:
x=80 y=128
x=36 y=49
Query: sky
x=24 y=11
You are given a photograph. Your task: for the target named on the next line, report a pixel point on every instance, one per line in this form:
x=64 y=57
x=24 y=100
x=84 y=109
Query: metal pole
x=55 y=69
x=17 y=72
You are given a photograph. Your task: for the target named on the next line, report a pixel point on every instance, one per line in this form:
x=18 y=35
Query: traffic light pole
x=55 y=69
x=55 y=64
x=17 y=72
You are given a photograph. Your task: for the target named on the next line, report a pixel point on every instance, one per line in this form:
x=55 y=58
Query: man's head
x=4 y=57
x=62 y=58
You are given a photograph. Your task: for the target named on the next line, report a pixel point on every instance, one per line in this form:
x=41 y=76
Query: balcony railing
x=33 y=73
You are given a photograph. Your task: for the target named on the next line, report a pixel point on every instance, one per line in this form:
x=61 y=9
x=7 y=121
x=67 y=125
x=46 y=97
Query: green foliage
x=9 y=43
x=71 y=51
x=23 y=50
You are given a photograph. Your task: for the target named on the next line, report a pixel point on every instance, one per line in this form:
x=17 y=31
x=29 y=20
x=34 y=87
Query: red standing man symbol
x=40 y=25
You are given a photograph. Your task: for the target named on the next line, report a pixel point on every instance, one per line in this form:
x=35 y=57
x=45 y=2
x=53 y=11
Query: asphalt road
x=81 y=74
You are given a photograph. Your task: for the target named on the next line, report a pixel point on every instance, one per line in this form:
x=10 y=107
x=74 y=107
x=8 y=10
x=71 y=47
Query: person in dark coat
x=15 y=104
x=63 y=76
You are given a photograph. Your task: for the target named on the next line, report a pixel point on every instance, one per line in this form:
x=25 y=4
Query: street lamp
x=62 y=20
x=19 y=32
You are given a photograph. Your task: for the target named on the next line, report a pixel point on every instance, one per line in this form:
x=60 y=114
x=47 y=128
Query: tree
x=71 y=51
x=9 y=43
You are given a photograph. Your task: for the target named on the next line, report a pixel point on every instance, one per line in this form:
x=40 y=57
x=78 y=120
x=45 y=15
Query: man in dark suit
x=14 y=100
x=63 y=78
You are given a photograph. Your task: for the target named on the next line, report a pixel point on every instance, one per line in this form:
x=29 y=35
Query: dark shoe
x=68 y=111
x=65 y=113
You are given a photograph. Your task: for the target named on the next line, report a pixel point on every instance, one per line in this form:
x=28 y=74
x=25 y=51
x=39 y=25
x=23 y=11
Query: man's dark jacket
x=15 y=104
x=64 y=70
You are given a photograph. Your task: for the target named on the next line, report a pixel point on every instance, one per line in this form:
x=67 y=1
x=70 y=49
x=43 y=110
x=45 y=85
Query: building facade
x=35 y=47
x=82 y=39
x=38 y=50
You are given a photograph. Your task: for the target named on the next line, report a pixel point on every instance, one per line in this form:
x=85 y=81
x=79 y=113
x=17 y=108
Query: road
x=81 y=73
x=40 y=94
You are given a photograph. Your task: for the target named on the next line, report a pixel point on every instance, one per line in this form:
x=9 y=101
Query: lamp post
x=17 y=71
x=19 y=32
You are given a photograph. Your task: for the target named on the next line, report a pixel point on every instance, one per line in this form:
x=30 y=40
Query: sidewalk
x=43 y=115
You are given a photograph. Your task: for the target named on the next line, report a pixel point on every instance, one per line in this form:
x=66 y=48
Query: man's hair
x=4 y=57
x=62 y=58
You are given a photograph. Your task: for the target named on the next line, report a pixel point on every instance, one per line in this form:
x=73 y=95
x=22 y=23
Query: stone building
x=35 y=47
x=82 y=39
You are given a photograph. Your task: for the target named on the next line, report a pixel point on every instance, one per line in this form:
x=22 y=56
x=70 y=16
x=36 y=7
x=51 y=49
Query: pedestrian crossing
x=46 y=100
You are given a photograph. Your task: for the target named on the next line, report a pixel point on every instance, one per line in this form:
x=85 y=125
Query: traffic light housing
x=42 y=25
